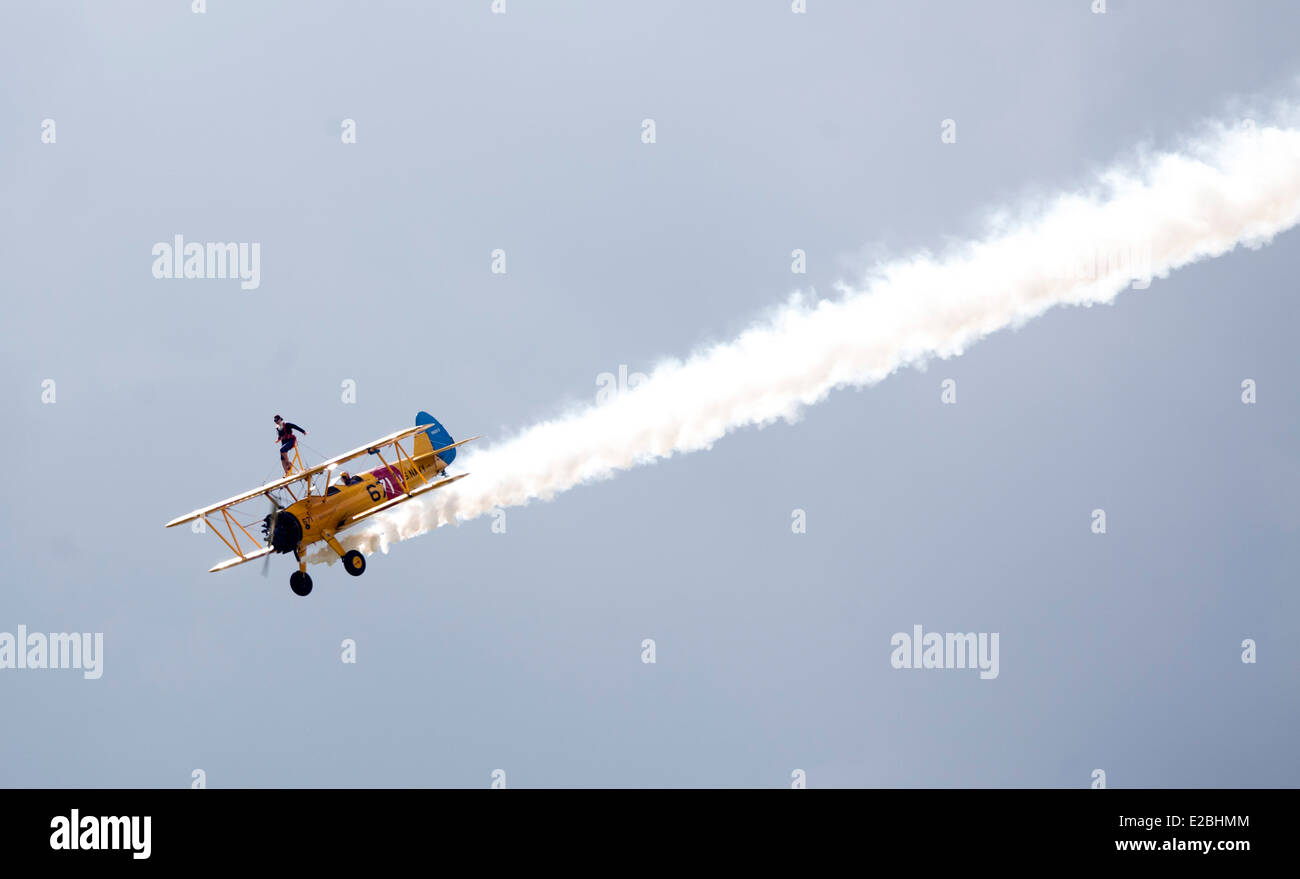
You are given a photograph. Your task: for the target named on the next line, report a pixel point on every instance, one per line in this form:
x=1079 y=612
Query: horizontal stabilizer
x=455 y=445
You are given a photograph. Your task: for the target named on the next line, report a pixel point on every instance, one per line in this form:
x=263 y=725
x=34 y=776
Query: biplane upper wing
x=295 y=477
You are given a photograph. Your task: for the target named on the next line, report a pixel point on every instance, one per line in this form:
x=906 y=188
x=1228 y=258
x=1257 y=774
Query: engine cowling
x=288 y=531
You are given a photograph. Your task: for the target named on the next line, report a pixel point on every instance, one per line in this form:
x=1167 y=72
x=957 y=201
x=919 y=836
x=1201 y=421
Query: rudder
x=436 y=437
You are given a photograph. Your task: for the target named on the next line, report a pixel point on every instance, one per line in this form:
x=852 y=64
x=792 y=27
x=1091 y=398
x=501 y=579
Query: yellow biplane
x=324 y=510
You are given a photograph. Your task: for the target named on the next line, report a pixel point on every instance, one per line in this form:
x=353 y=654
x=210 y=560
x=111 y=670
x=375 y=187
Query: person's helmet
x=345 y=477
x=278 y=418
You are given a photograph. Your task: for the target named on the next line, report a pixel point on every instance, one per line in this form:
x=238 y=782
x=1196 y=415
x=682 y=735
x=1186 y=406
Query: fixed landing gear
x=300 y=583
x=354 y=563
x=300 y=580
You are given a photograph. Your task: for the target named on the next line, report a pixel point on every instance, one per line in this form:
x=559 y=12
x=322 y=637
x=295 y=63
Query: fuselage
x=323 y=516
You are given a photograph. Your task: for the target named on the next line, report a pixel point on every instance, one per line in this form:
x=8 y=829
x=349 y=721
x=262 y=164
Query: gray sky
x=522 y=651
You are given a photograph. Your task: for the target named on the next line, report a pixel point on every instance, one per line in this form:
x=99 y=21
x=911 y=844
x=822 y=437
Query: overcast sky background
x=522 y=651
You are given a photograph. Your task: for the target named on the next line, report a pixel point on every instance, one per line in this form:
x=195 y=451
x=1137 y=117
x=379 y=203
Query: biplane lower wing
x=240 y=559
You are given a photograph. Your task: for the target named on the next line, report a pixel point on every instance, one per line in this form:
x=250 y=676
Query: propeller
x=268 y=526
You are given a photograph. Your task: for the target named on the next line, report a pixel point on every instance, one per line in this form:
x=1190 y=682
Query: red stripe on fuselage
x=390 y=479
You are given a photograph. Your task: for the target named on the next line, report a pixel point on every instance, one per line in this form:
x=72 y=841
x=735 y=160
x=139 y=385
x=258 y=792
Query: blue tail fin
x=436 y=437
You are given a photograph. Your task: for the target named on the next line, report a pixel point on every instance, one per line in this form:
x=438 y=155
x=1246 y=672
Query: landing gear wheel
x=300 y=583
x=354 y=563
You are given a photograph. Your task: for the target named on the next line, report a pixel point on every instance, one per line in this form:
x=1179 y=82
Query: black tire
x=354 y=563
x=300 y=583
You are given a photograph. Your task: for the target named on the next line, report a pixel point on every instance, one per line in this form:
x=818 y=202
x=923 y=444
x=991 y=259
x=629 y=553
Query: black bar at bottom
x=330 y=827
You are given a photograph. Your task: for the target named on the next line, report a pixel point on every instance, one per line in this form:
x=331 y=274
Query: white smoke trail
x=1238 y=185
